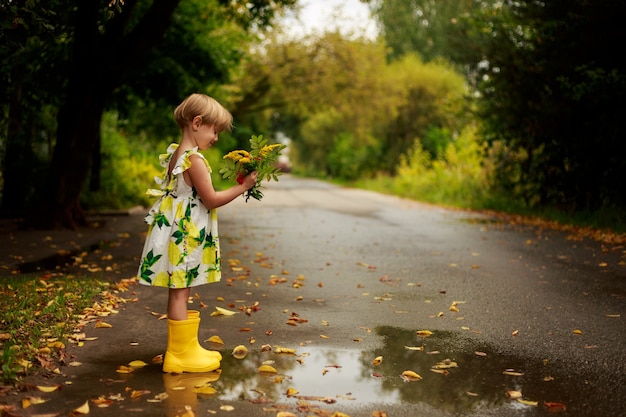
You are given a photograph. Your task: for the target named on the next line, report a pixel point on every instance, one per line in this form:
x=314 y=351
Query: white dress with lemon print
x=182 y=247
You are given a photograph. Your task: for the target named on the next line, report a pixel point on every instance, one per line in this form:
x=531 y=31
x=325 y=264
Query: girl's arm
x=198 y=176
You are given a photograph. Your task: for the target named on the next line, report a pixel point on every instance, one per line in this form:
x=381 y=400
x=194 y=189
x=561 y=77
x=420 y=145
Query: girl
x=182 y=246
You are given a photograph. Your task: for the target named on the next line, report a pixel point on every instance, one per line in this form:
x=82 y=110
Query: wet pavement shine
x=346 y=282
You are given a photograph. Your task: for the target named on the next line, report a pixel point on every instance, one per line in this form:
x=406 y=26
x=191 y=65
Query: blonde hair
x=211 y=112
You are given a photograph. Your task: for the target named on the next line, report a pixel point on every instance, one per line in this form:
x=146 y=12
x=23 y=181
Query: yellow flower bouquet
x=262 y=158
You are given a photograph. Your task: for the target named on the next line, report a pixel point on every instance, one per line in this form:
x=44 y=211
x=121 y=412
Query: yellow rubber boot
x=184 y=353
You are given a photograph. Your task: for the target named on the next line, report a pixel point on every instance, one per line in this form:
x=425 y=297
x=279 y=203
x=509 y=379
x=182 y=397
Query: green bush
x=455 y=178
x=129 y=165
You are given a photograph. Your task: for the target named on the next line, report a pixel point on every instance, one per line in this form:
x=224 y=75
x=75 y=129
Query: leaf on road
x=288 y=351
x=50 y=388
x=513 y=372
x=102 y=402
x=514 y=394
x=414 y=348
x=240 y=352
x=83 y=409
x=555 y=407
x=377 y=360
x=424 y=333
x=137 y=364
x=138 y=393
x=219 y=311
x=28 y=401
x=411 y=376
x=215 y=339
x=267 y=369
x=445 y=364
x=577 y=331
x=123 y=369
x=440 y=371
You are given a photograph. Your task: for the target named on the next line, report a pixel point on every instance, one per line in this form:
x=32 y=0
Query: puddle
x=347 y=377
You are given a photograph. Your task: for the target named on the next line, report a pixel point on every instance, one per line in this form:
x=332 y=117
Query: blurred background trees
x=483 y=104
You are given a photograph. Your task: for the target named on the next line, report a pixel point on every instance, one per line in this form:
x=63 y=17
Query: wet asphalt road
x=358 y=274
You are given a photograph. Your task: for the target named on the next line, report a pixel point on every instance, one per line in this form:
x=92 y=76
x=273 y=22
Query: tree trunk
x=17 y=169
x=96 y=165
x=100 y=62
x=79 y=125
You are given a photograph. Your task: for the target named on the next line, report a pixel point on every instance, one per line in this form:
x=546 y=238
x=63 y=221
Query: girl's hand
x=249 y=180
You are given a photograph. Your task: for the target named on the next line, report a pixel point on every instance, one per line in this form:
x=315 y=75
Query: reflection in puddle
x=347 y=377
x=312 y=371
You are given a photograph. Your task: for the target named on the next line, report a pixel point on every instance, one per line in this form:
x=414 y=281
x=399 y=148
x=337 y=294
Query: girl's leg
x=177 y=303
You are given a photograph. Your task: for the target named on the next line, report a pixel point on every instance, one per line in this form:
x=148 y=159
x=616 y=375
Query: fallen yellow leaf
x=215 y=339
x=28 y=401
x=513 y=373
x=102 y=325
x=377 y=360
x=424 y=333
x=83 y=409
x=123 y=369
x=576 y=331
x=278 y=349
x=285 y=414
x=268 y=369
x=414 y=347
x=514 y=394
x=527 y=402
x=411 y=376
x=445 y=364
x=137 y=364
x=219 y=311
x=44 y=388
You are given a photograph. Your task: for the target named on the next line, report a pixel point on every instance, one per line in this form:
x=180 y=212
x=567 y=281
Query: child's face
x=206 y=136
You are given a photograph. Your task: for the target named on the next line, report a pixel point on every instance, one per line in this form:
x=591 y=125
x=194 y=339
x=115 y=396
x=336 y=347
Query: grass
x=38 y=316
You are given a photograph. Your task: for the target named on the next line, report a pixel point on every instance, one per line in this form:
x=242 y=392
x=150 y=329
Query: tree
x=425 y=27
x=553 y=86
x=327 y=91
x=29 y=48
x=103 y=47
x=433 y=99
